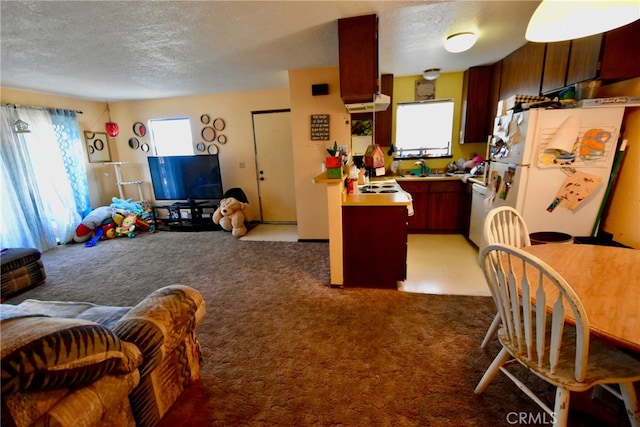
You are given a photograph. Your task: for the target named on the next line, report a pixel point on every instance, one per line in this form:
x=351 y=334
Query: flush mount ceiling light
x=459 y=42
x=431 y=73
x=558 y=20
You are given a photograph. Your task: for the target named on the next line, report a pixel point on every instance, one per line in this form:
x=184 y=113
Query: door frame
x=257 y=166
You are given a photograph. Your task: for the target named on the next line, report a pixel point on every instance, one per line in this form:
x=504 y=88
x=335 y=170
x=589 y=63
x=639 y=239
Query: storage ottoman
x=22 y=269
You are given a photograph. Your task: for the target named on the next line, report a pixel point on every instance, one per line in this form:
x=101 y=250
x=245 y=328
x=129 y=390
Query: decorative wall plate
x=139 y=129
x=205 y=119
x=134 y=143
x=200 y=146
x=97 y=146
x=219 y=124
x=144 y=147
x=213 y=149
x=208 y=134
x=222 y=139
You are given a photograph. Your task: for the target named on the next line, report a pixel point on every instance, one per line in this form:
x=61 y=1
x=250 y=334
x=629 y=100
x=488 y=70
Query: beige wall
x=311 y=199
x=235 y=109
x=623 y=217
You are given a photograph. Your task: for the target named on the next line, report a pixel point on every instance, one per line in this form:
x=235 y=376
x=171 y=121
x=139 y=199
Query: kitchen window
x=424 y=129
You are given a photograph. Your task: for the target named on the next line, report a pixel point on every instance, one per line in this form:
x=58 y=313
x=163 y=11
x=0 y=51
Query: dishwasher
x=478 y=214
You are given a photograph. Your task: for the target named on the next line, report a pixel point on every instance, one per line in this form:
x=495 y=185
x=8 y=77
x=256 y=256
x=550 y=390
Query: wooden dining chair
x=503 y=224
x=562 y=352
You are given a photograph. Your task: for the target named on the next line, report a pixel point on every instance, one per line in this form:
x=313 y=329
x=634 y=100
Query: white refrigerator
x=553 y=166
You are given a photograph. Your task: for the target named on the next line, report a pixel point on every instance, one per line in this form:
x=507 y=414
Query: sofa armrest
x=160 y=322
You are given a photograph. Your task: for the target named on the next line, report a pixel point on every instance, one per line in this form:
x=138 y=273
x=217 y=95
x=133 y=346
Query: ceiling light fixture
x=459 y=42
x=431 y=73
x=112 y=128
x=559 y=20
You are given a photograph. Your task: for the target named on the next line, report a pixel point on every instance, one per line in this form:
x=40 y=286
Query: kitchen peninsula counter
x=349 y=216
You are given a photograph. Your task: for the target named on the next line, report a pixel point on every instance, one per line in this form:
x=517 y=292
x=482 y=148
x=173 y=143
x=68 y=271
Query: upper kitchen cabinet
x=556 y=61
x=476 y=108
x=570 y=62
x=620 y=53
x=604 y=56
x=358 y=56
x=583 y=59
x=521 y=71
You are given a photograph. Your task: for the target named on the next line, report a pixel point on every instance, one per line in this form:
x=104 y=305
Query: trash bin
x=544 y=237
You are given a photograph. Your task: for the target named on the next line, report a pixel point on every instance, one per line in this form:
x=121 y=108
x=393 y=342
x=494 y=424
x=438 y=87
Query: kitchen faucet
x=423 y=167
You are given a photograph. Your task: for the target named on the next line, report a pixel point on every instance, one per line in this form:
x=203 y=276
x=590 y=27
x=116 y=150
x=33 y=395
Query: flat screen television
x=186 y=178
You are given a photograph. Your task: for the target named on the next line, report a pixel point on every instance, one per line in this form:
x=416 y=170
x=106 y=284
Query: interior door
x=274 y=162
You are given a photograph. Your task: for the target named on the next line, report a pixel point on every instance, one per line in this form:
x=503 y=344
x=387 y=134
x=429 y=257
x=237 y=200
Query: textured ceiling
x=128 y=50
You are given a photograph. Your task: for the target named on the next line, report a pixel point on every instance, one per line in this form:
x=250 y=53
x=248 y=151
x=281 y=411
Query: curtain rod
x=40 y=108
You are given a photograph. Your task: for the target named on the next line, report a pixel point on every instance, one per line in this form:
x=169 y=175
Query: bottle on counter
x=352 y=181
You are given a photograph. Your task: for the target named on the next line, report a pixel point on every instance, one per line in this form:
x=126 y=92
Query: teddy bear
x=231 y=216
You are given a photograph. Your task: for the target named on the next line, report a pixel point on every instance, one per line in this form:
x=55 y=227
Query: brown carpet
x=281 y=348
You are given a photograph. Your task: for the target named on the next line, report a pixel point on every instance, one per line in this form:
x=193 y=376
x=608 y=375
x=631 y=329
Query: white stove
x=379 y=187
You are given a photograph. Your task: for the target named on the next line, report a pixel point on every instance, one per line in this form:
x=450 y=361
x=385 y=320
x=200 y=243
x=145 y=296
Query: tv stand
x=185 y=216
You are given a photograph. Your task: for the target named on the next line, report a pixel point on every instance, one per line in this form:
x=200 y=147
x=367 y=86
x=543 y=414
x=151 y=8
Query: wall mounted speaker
x=320 y=89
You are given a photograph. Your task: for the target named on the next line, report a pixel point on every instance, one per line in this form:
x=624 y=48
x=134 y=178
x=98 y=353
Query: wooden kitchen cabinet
x=583 y=60
x=556 y=61
x=601 y=56
x=476 y=120
x=358 y=56
x=443 y=214
x=368 y=231
x=522 y=71
x=436 y=206
x=620 y=53
x=419 y=191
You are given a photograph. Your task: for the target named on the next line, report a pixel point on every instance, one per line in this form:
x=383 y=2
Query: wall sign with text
x=319 y=127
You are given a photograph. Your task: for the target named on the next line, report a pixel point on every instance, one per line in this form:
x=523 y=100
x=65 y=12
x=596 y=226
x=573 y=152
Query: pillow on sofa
x=41 y=352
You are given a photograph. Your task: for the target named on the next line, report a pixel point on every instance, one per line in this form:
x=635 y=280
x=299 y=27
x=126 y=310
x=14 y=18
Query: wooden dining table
x=607 y=281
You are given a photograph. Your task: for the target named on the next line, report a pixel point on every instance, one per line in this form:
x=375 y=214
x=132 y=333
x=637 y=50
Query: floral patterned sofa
x=67 y=363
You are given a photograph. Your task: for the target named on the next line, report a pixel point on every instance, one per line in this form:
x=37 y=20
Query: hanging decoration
x=111 y=127
x=21 y=126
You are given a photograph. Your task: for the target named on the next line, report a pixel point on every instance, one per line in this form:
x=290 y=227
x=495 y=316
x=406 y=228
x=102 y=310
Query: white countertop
x=401 y=198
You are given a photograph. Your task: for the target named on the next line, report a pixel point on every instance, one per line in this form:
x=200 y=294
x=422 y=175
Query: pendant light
x=559 y=20
x=111 y=127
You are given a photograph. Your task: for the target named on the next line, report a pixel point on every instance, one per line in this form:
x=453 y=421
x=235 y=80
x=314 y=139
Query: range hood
x=380 y=103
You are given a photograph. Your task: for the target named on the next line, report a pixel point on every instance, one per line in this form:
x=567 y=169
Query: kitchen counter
x=400 y=198
x=439 y=177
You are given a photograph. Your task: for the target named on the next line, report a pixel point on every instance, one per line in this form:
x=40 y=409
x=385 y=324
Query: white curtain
x=38 y=206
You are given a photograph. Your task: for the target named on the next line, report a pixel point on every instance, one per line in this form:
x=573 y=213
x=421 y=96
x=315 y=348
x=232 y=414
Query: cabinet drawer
x=444 y=187
x=414 y=186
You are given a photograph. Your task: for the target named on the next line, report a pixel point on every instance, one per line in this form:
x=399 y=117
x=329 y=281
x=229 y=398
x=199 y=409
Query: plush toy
x=126 y=205
x=128 y=226
x=93 y=220
x=231 y=216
